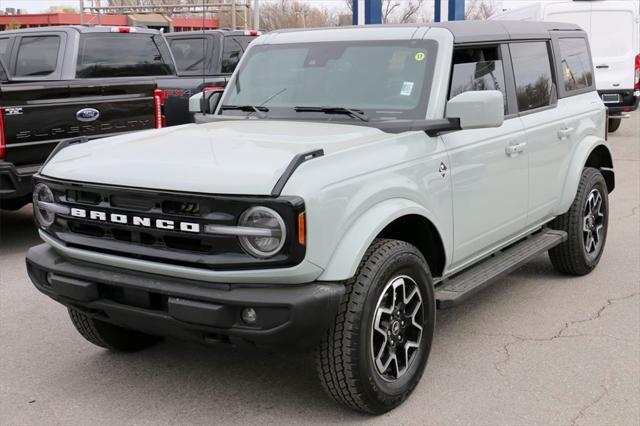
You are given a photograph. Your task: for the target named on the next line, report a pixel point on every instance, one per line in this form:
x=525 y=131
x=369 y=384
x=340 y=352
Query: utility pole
x=81 y=12
x=233 y=15
x=256 y=15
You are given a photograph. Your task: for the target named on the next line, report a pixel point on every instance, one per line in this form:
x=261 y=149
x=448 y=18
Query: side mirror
x=195 y=103
x=205 y=102
x=477 y=109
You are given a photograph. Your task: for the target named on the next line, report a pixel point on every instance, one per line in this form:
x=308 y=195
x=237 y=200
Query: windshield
x=384 y=80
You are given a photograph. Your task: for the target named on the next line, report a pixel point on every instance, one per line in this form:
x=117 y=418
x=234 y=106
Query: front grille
x=163 y=245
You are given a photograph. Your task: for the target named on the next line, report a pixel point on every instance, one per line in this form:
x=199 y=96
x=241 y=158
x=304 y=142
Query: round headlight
x=266 y=222
x=42 y=193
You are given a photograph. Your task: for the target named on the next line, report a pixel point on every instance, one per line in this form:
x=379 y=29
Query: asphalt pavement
x=535 y=348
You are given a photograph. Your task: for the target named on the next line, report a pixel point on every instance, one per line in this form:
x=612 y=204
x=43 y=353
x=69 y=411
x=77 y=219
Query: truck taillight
x=253 y=33
x=3 y=142
x=158 y=104
x=636 y=84
x=212 y=88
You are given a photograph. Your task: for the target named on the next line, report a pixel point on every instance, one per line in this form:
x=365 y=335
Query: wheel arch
x=591 y=152
x=399 y=219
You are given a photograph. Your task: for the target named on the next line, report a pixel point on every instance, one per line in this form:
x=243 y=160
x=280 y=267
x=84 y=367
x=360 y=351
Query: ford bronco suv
x=347 y=184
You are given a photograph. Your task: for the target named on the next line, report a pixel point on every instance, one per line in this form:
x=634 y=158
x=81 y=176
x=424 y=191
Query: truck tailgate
x=38 y=115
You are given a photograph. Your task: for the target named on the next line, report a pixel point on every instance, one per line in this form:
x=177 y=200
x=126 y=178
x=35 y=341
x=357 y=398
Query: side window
x=232 y=50
x=477 y=69
x=37 y=56
x=4 y=49
x=532 y=72
x=188 y=53
x=577 y=71
x=120 y=55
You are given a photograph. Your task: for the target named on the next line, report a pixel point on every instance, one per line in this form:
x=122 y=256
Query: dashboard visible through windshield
x=369 y=80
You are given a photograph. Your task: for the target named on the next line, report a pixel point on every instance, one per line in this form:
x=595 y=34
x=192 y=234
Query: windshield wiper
x=259 y=110
x=334 y=110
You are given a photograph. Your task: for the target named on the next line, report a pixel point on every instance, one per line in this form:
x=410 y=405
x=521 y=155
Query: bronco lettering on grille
x=145 y=222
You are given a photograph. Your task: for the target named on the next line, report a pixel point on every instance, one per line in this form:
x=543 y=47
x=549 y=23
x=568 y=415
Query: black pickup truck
x=198 y=71
x=49 y=93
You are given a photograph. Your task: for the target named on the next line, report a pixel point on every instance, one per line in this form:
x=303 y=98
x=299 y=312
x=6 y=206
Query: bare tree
x=294 y=14
x=479 y=9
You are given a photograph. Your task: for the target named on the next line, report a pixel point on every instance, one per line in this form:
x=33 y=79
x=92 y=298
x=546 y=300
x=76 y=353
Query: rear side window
x=4 y=49
x=188 y=53
x=533 y=76
x=37 y=56
x=232 y=50
x=477 y=69
x=118 y=55
x=577 y=72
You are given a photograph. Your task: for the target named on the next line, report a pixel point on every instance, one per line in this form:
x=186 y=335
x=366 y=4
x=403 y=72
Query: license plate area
x=611 y=98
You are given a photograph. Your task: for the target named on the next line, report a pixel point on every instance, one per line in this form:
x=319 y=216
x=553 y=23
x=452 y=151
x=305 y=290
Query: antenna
x=204 y=45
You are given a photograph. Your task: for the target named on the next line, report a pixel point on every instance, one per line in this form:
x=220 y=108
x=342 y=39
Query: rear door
x=548 y=136
x=614 y=43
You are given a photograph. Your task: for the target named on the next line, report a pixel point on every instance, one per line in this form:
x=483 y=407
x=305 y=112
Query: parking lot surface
x=535 y=348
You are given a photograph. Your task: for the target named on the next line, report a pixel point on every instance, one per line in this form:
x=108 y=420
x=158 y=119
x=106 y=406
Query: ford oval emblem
x=87 y=114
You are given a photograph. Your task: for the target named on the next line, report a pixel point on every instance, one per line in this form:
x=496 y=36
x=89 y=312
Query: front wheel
x=586 y=225
x=375 y=352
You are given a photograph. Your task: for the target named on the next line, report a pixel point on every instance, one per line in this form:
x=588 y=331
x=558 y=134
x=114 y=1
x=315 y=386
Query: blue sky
x=43 y=5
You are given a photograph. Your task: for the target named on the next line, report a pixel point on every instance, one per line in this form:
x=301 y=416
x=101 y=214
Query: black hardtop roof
x=81 y=29
x=469 y=31
x=477 y=31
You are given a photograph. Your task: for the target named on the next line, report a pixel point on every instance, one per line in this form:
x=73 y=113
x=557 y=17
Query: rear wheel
x=110 y=336
x=614 y=124
x=375 y=352
x=586 y=225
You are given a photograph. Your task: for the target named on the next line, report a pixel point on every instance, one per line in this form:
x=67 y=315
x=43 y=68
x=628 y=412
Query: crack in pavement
x=591 y=404
x=634 y=211
x=498 y=365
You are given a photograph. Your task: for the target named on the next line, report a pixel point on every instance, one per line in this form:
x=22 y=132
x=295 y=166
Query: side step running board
x=458 y=288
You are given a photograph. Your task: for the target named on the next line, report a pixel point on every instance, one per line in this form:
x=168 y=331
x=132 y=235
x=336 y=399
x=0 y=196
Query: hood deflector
x=293 y=165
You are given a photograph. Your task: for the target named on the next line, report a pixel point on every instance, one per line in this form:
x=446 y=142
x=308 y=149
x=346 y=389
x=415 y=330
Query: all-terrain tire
x=614 y=124
x=572 y=256
x=110 y=336
x=345 y=358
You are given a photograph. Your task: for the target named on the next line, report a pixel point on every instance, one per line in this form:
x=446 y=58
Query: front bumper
x=15 y=184
x=288 y=316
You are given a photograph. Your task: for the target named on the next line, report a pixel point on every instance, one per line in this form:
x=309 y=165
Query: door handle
x=602 y=66
x=565 y=132
x=515 y=148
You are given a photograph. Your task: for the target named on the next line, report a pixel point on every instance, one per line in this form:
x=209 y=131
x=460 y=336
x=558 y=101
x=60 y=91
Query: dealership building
x=150 y=20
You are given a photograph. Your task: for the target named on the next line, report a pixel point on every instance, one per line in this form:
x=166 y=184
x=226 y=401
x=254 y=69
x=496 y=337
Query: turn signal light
x=302 y=229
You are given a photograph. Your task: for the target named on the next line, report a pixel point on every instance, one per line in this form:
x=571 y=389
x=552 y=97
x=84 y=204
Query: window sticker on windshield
x=419 y=56
x=407 y=88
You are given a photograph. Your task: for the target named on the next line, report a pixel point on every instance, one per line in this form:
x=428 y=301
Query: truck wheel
x=586 y=226
x=614 y=124
x=375 y=351
x=110 y=336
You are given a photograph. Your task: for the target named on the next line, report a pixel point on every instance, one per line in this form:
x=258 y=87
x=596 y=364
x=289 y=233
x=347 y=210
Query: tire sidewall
x=594 y=181
x=390 y=394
